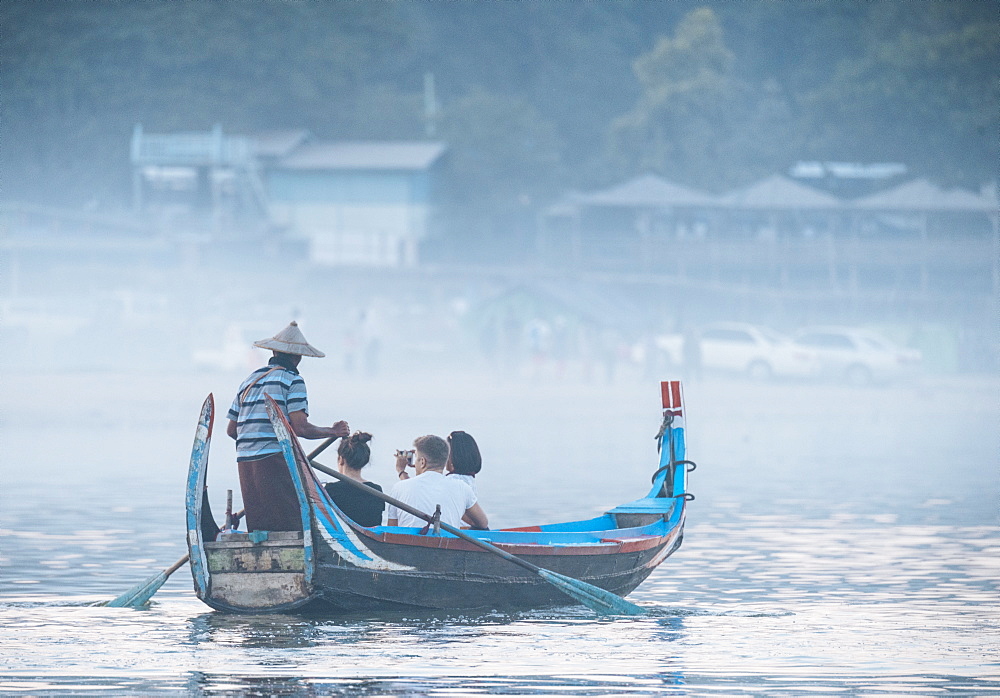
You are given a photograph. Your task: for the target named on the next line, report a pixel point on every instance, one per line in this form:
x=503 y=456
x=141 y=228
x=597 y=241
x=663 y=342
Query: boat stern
x=259 y=572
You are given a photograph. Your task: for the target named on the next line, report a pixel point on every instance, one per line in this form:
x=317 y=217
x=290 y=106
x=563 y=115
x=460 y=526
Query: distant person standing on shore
x=268 y=493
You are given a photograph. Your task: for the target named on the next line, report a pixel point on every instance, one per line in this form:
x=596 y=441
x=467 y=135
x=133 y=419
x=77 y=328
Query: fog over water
x=843 y=539
x=515 y=222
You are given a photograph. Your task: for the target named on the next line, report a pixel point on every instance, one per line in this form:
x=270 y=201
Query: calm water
x=842 y=541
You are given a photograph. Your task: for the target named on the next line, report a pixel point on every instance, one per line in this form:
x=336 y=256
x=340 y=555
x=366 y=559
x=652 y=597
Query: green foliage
x=932 y=96
x=503 y=152
x=697 y=120
x=503 y=160
x=536 y=96
x=685 y=106
x=696 y=61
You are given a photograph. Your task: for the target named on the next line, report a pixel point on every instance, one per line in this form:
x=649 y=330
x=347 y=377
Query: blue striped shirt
x=254 y=434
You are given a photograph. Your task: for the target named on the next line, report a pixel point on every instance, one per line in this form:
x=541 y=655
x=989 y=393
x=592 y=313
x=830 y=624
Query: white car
x=758 y=352
x=858 y=356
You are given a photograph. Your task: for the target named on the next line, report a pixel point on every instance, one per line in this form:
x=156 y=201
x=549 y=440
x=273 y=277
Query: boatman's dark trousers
x=268 y=495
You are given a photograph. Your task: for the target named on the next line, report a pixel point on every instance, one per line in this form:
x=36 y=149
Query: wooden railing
x=191 y=149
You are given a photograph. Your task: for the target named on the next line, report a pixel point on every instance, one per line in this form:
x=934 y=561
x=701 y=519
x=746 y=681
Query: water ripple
x=839 y=602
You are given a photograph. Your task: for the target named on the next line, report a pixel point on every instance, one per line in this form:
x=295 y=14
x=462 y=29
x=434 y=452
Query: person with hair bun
x=352 y=455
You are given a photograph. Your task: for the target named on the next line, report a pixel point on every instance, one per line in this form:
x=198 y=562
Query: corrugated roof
x=364 y=155
x=779 y=192
x=647 y=190
x=921 y=195
x=846 y=170
x=276 y=144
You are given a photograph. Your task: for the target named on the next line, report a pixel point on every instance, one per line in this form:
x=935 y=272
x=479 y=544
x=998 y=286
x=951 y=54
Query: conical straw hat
x=290 y=341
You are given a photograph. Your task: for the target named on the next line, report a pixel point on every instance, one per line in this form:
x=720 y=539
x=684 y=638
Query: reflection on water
x=752 y=604
x=806 y=568
x=665 y=683
x=264 y=631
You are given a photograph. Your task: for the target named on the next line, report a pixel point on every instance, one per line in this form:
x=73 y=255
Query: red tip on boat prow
x=672 y=400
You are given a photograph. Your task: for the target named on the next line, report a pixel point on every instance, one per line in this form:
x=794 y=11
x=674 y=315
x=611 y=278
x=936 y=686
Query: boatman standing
x=268 y=493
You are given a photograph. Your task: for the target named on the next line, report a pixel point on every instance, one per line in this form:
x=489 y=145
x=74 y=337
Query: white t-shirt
x=469 y=480
x=424 y=492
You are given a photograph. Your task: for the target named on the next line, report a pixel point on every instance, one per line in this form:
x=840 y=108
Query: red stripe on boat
x=670 y=391
x=535 y=529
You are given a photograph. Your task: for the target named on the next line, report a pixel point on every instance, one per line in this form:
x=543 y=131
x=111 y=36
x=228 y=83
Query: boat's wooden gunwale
x=605 y=546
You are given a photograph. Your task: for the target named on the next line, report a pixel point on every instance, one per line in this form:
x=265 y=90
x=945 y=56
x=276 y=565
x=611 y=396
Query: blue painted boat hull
x=343 y=567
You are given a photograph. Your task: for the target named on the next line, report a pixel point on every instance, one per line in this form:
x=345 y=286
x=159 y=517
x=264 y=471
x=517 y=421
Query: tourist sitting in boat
x=269 y=496
x=352 y=455
x=430 y=488
x=464 y=460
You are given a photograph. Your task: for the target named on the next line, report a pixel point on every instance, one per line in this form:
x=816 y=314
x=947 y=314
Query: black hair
x=465 y=457
x=354 y=450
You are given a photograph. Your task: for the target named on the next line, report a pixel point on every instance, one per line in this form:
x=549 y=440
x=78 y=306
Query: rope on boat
x=691 y=465
x=668 y=418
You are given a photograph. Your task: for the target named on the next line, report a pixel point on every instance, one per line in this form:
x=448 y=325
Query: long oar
x=593 y=597
x=140 y=594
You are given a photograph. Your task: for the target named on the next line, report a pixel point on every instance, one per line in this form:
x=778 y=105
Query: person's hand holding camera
x=403 y=459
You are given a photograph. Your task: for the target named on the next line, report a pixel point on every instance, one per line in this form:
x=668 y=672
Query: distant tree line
x=534 y=97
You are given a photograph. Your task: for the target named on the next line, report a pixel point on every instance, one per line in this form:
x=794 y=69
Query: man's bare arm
x=303 y=428
x=476 y=517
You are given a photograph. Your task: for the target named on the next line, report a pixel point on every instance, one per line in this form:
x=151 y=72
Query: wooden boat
x=337 y=565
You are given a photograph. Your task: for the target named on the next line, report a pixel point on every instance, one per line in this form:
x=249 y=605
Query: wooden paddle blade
x=592 y=597
x=140 y=594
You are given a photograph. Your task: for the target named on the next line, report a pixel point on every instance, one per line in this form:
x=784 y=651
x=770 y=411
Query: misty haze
x=513 y=219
